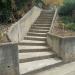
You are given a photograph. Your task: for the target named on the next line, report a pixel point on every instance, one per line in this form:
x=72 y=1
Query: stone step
x=37 y=34
x=35 y=38
x=23 y=48
x=28 y=67
x=33 y=56
x=38 y=31
x=32 y=42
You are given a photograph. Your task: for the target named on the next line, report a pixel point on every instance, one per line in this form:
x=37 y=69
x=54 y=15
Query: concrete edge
x=9 y=43
x=61 y=37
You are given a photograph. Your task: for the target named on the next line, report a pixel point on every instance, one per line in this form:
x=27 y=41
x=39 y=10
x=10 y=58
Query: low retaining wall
x=63 y=46
x=18 y=30
x=9 y=64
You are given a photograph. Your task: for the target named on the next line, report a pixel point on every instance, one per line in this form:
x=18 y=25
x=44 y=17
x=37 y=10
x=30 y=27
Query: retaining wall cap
x=62 y=37
x=8 y=43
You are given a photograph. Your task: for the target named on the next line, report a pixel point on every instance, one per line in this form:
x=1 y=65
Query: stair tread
x=39 y=30
x=35 y=65
x=31 y=47
x=36 y=33
x=39 y=27
x=41 y=24
x=31 y=41
x=34 y=54
x=36 y=37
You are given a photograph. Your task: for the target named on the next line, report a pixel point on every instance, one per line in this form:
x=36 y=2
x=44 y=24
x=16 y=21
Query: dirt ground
x=61 y=30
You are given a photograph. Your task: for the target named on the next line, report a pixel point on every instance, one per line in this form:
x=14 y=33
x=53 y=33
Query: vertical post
x=18 y=32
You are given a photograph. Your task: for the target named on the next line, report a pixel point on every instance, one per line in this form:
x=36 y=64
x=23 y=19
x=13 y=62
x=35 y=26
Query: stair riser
x=38 y=39
x=42 y=35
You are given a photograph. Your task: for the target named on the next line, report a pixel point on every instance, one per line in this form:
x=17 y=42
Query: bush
x=67 y=7
x=5 y=9
x=70 y=26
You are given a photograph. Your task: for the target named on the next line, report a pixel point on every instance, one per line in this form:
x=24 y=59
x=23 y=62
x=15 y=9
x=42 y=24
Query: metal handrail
x=54 y=19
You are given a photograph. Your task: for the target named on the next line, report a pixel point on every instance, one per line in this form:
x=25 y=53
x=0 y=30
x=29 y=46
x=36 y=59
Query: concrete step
x=36 y=25
x=32 y=42
x=38 y=31
x=64 y=69
x=44 y=17
x=43 y=22
x=37 y=34
x=23 y=48
x=28 y=67
x=43 y=28
x=44 y=25
x=44 y=14
x=35 y=38
x=33 y=56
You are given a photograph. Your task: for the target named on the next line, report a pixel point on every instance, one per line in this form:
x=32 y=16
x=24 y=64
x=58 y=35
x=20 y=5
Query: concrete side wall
x=18 y=30
x=9 y=59
x=63 y=47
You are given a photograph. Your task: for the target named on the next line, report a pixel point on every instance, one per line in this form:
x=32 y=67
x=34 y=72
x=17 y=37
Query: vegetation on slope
x=67 y=14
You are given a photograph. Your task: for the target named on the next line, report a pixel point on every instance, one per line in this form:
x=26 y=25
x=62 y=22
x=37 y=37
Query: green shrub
x=70 y=26
x=5 y=10
x=67 y=7
x=67 y=19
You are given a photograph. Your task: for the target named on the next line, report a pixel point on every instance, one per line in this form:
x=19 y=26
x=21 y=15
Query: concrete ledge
x=9 y=59
x=63 y=46
x=19 y=29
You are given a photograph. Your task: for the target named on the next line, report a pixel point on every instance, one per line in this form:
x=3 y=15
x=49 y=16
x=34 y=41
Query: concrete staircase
x=34 y=54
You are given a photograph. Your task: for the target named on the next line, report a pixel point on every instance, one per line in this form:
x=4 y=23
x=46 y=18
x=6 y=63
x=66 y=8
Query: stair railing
x=54 y=20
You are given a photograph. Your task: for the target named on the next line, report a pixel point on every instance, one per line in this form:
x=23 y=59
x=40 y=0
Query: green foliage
x=67 y=19
x=65 y=13
x=67 y=7
x=70 y=26
x=21 y=3
x=5 y=10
